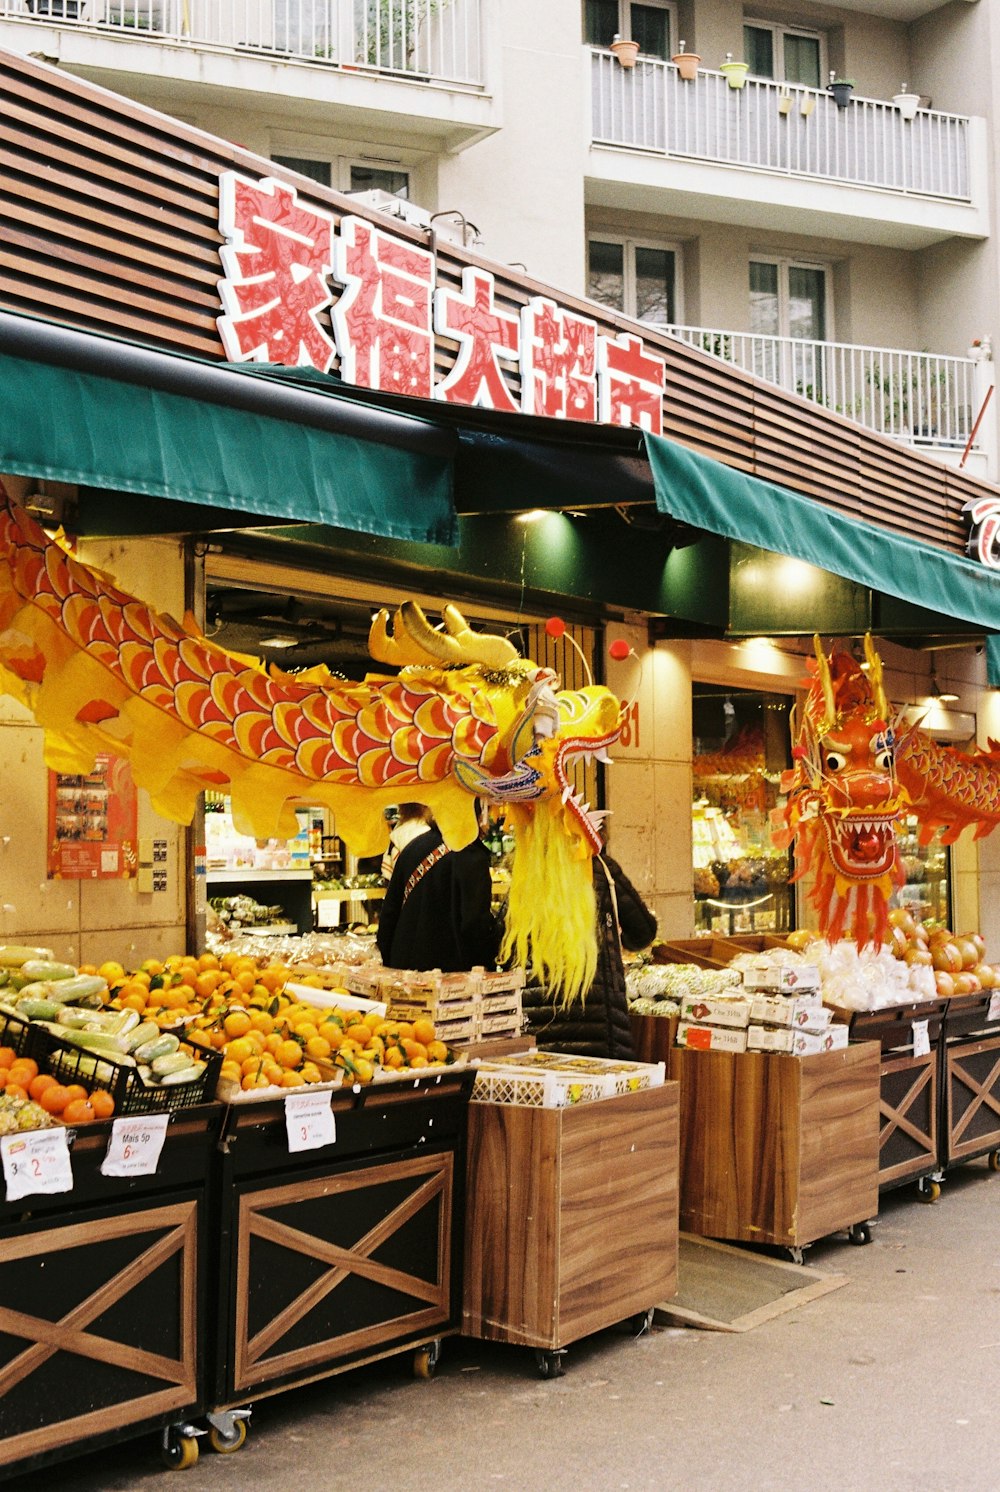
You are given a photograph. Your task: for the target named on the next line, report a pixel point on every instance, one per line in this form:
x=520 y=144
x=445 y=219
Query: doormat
x=720 y=1288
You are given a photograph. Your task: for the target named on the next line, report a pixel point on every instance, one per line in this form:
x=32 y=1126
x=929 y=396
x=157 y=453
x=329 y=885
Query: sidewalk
x=887 y=1385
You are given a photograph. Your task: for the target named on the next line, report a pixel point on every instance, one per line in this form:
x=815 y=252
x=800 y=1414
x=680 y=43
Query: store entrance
x=741 y=746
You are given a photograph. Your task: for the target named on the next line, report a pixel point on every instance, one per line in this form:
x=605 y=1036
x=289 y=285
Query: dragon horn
x=486 y=648
x=826 y=683
x=875 y=678
x=402 y=647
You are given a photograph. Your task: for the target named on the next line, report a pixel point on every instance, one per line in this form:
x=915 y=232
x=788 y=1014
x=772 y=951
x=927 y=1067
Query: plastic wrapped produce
x=660 y=982
x=869 y=978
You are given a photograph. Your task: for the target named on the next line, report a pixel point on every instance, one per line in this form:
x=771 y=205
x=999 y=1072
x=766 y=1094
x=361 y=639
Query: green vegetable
x=147 y=1031
x=13 y=955
x=44 y=968
x=175 y=1062
x=38 y=1010
x=183 y=1075
x=165 y=1044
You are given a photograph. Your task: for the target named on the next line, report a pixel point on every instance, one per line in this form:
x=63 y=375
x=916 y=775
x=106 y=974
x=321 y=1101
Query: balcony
x=862 y=172
x=419 y=62
x=923 y=400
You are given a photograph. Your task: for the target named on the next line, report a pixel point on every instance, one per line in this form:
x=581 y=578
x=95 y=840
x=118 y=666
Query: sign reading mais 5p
x=281 y=256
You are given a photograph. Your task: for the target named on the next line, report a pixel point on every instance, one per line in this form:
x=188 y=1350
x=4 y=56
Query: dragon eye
x=835 y=761
x=883 y=759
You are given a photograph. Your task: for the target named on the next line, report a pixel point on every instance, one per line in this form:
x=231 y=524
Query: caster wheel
x=994 y=1160
x=179 y=1451
x=641 y=1323
x=860 y=1233
x=425 y=1360
x=226 y=1442
x=550 y=1364
x=795 y=1254
x=928 y=1190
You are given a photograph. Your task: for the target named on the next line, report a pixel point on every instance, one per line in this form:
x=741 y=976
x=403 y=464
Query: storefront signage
x=309 y=1121
x=134 y=1146
x=36 y=1163
x=93 y=818
x=984 y=533
x=282 y=257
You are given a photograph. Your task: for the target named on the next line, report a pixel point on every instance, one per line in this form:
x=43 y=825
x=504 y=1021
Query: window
x=374 y=178
x=653 y=25
x=789 y=300
x=784 y=53
x=636 y=278
x=315 y=170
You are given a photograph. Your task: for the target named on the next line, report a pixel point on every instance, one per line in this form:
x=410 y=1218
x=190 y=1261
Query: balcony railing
x=778 y=127
x=919 y=398
x=424 y=40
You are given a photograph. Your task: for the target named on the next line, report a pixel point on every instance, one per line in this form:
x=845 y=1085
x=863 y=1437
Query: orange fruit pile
x=70 y=1102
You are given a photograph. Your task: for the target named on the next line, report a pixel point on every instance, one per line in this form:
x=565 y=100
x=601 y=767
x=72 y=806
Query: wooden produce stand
x=908 y=1090
x=102 y=1299
x=970 y=1080
x=571 y=1219
x=778 y=1149
x=338 y=1256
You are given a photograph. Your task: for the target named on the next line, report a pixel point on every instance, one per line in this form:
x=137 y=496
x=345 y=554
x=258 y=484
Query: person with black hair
x=437 y=910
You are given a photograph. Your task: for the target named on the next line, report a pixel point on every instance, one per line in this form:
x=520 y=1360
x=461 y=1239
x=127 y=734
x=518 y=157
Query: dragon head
x=844 y=800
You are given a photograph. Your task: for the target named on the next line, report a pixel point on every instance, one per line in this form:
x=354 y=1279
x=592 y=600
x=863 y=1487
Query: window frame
x=625 y=20
x=779 y=30
x=784 y=263
x=629 y=244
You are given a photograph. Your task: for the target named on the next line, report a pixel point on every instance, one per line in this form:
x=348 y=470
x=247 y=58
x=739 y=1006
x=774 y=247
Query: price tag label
x=135 y=1145
x=993 y=1012
x=309 y=1121
x=36 y=1162
x=921 y=1038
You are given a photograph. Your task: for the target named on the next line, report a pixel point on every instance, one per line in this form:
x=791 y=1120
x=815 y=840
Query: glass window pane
x=654 y=285
x=806 y=308
x=606 y=274
x=764 y=299
x=316 y=170
x=600 y=22
x=651 y=29
x=371 y=178
x=758 y=50
x=802 y=60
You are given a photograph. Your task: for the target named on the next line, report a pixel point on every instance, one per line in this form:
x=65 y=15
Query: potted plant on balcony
x=625 y=50
x=841 y=88
x=907 y=103
x=735 y=72
x=686 y=62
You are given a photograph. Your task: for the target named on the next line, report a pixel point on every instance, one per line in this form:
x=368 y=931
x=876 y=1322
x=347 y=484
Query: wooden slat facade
x=109 y=223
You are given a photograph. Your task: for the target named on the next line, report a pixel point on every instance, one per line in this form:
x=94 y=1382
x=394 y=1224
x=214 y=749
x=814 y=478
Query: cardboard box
x=799 y=1043
x=716 y=1010
x=711 y=1038
x=805 y=1011
x=781 y=978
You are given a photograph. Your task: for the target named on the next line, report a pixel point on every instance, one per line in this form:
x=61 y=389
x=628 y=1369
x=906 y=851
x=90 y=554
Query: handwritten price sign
x=135 y=1145
x=36 y=1162
x=309 y=1121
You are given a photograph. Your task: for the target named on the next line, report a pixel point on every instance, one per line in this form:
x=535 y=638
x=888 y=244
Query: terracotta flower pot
x=687 y=64
x=625 y=51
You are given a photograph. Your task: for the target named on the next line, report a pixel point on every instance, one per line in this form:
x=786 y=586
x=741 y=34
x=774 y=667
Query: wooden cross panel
x=97 y=1326
x=972 y=1098
x=908 y=1124
x=334 y=1268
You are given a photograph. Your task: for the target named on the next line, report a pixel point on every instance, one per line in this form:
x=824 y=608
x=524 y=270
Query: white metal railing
x=439 y=40
x=922 y=398
x=778 y=127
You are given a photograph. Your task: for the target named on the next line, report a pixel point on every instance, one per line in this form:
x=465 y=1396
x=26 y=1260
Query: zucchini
x=13 y=955
x=183 y=1075
x=80 y=987
x=46 y=968
x=39 y=1010
x=174 y=1062
x=99 y=1042
x=164 y=1046
x=115 y=1022
x=139 y=1035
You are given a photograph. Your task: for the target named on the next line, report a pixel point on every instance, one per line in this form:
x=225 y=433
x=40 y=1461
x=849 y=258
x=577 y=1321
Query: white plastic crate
x=552 y=1080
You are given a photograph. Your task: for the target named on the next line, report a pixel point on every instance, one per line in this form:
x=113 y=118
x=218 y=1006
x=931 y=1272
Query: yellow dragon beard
x=552 y=905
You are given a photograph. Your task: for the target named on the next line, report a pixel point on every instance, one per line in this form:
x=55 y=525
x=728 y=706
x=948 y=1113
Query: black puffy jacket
x=598 y=1025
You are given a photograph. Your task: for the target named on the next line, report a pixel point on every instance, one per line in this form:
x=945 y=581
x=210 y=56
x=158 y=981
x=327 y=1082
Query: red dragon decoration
x=857 y=766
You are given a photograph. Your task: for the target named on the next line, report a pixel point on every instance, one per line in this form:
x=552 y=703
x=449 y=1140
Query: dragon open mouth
x=572 y=753
x=862 y=846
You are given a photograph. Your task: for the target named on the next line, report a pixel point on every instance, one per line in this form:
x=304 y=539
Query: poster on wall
x=93 y=822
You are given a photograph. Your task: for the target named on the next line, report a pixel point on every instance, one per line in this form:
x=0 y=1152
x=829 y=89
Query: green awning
x=189 y=430
x=711 y=496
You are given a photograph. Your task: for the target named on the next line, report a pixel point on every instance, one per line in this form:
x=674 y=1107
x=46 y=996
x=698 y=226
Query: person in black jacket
x=599 y=1025
x=437 y=909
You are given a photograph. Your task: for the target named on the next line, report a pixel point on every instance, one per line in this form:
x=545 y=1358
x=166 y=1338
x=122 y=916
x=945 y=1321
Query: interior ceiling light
x=532 y=516
x=938 y=695
x=279 y=642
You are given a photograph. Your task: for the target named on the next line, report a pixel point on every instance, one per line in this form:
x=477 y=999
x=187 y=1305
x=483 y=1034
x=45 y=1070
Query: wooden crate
x=706 y=953
x=777 y=1149
x=653 y=1037
x=571 y=1217
x=971 y=1099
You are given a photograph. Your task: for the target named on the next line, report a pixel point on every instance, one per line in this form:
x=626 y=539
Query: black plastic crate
x=131 y=1095
x=18 y=1033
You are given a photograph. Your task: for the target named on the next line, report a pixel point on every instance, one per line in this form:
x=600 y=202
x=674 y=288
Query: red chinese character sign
x=93 y=821
x=558 y=362
x=382 y=322
x=391 y=320
x=277 y=261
